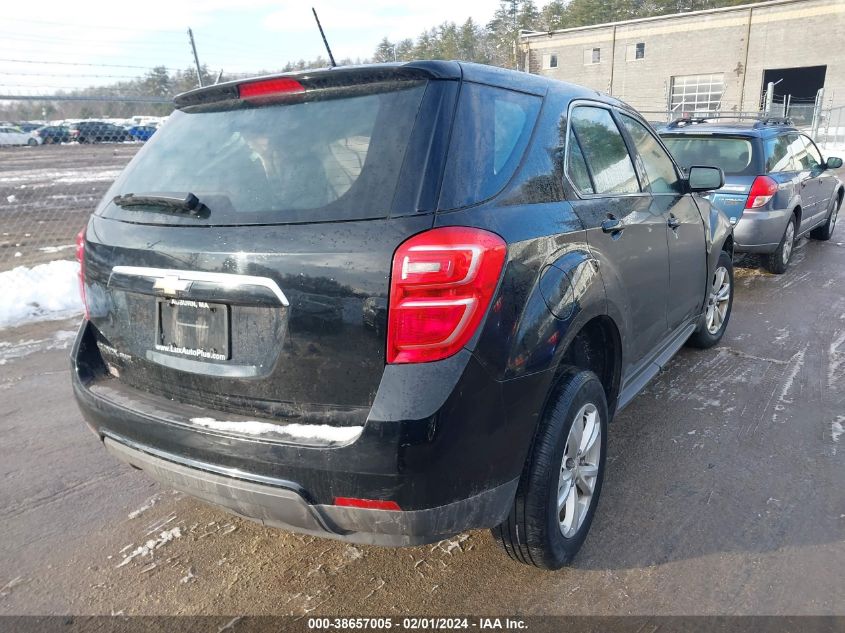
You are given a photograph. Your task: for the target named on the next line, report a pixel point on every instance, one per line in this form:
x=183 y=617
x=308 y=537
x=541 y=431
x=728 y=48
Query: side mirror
x=704 y=178
x=833 y=162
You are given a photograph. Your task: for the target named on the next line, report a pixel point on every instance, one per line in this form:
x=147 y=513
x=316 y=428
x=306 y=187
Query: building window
x=640 y=50
x=550 y=60
x=696 y=93
x=592 y=56
x=633 y=52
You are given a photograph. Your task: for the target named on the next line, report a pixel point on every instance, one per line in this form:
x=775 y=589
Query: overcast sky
x=235 y=35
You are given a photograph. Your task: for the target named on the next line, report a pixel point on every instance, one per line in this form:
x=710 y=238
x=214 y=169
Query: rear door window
x=778 y=156
x=660 y=170
x=578 y=172
x=815 y=158
x=604 y=150
x=799 y=152
x=490 y=134
x=318 y=158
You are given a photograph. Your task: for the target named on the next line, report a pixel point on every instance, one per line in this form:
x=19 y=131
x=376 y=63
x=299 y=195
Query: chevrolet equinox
x=388 y=304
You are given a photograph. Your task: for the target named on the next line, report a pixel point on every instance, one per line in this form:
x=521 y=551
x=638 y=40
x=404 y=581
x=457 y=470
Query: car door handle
x=612 y=225
x=673 y=222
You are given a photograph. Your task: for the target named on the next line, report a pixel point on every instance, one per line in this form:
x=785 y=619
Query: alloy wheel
x=719 y=299
x=788 y=242
x=579 y=470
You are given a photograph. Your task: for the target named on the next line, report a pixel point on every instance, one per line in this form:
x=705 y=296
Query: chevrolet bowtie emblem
x=171 y=284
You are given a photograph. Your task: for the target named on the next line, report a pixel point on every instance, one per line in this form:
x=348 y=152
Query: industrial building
x=701 y=61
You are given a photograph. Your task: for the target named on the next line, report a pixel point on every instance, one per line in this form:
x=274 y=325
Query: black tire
x=32 y=142
x=825 y=231
x=778 y=262
x=532 y=533
x=703 y=337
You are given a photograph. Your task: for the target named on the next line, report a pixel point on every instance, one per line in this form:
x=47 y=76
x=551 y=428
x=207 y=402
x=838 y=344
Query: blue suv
x=778 y=187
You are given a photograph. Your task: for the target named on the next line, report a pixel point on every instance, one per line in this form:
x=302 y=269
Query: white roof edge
x=668 y=16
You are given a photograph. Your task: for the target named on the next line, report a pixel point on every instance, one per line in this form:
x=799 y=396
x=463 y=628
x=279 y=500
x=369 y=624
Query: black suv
x=390 y=303
x=98 y=132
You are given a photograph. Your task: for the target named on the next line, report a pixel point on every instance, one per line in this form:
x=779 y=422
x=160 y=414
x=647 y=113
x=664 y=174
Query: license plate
x=193 y=328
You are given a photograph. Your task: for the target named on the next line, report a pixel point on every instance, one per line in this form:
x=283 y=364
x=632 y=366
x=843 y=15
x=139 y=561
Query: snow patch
x=797 y=364
x=837 y=428
x=63 y=176
x=151 y=545
x=56 y=249
x=60 y=340
x=837 y=358
x=299 y=431
x=43 y=292
x=147 y=505
x=6 y=589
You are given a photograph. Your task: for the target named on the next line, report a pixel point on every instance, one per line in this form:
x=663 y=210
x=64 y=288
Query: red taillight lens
x=370 y=504
x=762 y=190
x=80 y=257
x=269 y=88
x=441 y=284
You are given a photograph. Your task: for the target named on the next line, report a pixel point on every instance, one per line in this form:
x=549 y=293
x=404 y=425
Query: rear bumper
x=760 y=231
x=450 y=461
x=281 y=504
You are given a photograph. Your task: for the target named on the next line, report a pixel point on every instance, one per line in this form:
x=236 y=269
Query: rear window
x=324 y=158
x=490 y=134
x=732 y=154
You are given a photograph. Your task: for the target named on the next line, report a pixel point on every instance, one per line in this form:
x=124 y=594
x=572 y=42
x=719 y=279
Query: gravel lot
x=724 y=490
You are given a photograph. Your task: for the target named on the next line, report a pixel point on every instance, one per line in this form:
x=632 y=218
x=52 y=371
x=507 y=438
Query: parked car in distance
x=398 y=313
x=778 y=187
x=141 y=132
x=98 y=132
x=28 y=127
x=50 y=134
x=10 y=135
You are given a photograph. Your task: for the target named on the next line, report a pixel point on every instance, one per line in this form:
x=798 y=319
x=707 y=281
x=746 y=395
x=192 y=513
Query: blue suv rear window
x=733 y=154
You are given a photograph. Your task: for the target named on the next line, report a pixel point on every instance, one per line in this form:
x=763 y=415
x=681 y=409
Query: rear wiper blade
x=187 y=203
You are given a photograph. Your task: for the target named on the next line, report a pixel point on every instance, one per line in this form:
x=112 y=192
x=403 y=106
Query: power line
x=73 y=76
x=67 y=25
x=31 y=61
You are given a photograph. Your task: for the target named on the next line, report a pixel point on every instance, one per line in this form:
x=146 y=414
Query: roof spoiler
x=324 y=78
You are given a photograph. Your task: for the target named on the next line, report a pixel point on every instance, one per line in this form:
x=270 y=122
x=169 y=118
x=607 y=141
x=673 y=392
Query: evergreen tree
x=385 y=51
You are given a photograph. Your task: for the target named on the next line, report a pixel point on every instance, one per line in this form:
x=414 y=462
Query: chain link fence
x=53 y=172
x=831 y=133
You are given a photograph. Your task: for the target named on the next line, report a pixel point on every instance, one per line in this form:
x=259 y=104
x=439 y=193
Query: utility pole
x=196 y=58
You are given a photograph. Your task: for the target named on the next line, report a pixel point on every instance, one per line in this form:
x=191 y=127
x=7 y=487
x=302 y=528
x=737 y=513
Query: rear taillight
x=269 y=88
x=441 y=284
x=762 y=190
x=80 y=257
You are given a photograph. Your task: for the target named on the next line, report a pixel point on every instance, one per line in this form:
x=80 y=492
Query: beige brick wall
x=805 y=33
x=784 y=34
